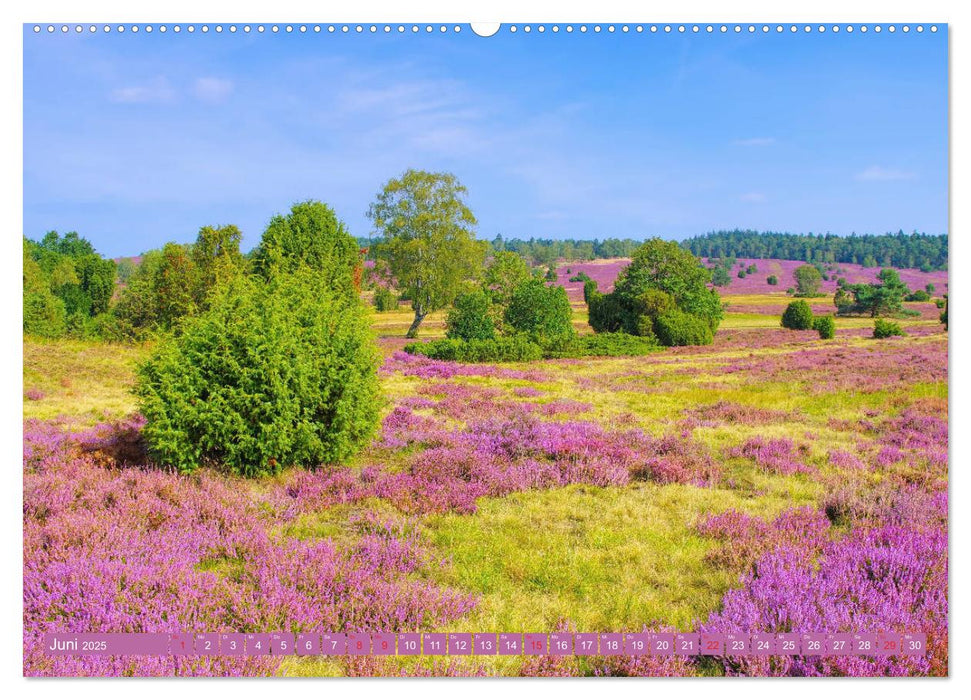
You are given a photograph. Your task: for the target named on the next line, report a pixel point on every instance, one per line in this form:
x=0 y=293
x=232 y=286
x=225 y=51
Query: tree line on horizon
x=915 y=250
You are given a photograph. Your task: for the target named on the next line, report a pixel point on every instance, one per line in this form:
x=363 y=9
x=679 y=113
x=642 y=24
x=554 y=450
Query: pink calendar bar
x=434 y=644
x=787 y=644
x=687 y=644
x=282 y=643
x=561 y=644
x=763 y=644
x=839 y=644
x=333 y=644
x=611 y=644
x=232 y=644
x=738 y=644
x=94 y=644
x=881 y=643
x=637 y=644
x=865 y=644
x=409 y=644
x=459 y=643
x=586 y=644
x=206 y=644
x=308 y=644
x=913 y=644
x=661 y=643
x=180 y=644
x=712 y=644
x=534 y=644
x=813 y=644
x=358 y=644
x=486 y=643
x=510 y=644
x=257 y=644
x=382 y=644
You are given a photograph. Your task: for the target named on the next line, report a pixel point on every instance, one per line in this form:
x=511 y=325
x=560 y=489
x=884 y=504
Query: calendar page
x=485 y=350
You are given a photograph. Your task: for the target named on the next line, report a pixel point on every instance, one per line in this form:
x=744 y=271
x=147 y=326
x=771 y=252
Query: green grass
x=602 y=558
x=81 y=380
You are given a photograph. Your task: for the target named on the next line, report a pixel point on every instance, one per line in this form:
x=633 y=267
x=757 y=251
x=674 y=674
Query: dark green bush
x=580 y=277
x=825 y=326
x=540 y=310
x=798 y=316
x=517 y=348
x=469 y=318
x=273 y=374
x=939 y=303
x=772 y=280
x=606 y=313
x=679 y=328
x=589 y=289
x=605 y=345
x=385 y=299
x=884 y=329
x=918 y=295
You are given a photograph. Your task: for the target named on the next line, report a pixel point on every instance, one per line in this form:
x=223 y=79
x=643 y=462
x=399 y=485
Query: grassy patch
x=603 y=558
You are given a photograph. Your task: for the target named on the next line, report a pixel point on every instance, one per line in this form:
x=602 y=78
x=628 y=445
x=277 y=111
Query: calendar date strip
x=487 y=644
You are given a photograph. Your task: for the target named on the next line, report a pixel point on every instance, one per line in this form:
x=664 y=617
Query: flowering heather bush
x=845 y=460
x=34 y=394
x=887 y=578
x=493 y=457
x=834 y=368
x=743 y=538
x=738 y=414
x=141 y=550
x=426 y=368
x=887 y=503
x=778 y=456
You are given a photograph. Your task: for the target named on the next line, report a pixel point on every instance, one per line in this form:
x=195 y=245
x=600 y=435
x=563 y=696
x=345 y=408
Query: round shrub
x=798 y=316
x=772 y=280
x=884 y=329
x=540 y=310
x=385 y=300
x=825 y=326
x=589 y=289
x=918 y=295
x=274 y=374
x=469 y=319
x=679 y=328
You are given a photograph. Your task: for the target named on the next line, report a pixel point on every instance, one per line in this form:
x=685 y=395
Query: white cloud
x=756 y=141
x=157 y=90
x=876 y=173
x=212 y=89
x=753 y=197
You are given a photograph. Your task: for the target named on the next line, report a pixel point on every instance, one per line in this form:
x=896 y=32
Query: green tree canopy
x=808 y=280
x=666 y=266
x=428 y=244
x=505 y=272
x=312 y=235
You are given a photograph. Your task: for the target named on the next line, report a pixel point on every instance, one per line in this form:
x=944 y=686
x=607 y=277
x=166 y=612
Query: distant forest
x=915 y=250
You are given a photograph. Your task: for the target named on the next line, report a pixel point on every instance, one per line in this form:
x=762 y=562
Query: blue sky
x=137 y=139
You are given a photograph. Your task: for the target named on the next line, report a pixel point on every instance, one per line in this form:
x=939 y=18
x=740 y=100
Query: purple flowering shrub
x=886 y=578
x=144 y=550
x=743 y=538
x=774 y=456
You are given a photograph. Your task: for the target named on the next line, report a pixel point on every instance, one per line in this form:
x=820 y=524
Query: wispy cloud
x=876 y=173
x=756 y=141
x=154 y=91
x=212 y=89
x=754 y=197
